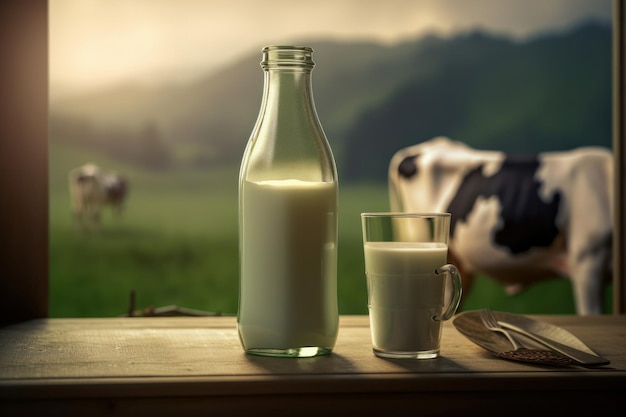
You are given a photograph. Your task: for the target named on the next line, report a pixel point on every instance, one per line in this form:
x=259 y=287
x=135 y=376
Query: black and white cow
x=91 y=189
x=517 y=220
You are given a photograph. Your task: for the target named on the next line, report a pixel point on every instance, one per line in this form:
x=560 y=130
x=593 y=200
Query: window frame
x=24 y=235
x=23 y=160
x=619 y=151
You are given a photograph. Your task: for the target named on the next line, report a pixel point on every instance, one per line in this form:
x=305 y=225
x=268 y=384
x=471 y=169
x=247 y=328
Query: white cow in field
x=90 y=190
x=516 y=219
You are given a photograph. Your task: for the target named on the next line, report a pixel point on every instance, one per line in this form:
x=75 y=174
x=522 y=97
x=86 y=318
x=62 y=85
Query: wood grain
x=149 y=365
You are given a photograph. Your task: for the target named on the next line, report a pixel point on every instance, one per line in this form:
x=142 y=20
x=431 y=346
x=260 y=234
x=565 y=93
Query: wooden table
x=195 y=366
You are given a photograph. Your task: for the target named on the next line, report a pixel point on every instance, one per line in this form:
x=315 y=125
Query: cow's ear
x=408 y=166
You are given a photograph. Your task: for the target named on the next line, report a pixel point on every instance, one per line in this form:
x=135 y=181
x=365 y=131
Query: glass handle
x=450 y=271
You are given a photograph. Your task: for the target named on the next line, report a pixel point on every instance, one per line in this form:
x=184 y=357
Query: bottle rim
x=287 y=48
x=287 y=56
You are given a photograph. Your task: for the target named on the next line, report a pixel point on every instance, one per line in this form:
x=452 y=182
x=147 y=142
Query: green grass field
x=176 y=244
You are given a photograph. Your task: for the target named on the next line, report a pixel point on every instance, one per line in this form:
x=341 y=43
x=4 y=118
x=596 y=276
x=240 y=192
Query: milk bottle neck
x=287 y=93
x=288 y=138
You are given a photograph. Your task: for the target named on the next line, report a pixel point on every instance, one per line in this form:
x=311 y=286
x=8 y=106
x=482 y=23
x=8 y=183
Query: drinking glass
x=411 y=287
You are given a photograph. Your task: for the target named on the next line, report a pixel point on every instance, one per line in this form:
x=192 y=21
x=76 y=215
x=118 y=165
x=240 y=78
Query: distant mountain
x=552 y=92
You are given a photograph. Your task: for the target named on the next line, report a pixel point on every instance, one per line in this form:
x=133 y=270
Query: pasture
x=176 y=244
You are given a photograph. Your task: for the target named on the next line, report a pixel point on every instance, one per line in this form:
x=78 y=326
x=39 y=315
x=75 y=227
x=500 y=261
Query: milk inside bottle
x=288 y=245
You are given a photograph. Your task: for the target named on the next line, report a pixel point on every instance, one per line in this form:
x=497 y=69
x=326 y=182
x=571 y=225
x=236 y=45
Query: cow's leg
x=77 y=206
x=91 y=218
x=588 y=289
x=590 y=273
x=118 y=210
x=589 y=240
x=95 y=220
x=80 y=217
x=77 y=218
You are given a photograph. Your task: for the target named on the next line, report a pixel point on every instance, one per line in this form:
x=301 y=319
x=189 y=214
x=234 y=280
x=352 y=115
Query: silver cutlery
x=582 y=358
x=491 y=323
x=578 y=355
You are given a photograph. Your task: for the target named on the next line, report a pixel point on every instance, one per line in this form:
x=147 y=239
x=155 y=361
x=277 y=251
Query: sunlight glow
x=98 y=42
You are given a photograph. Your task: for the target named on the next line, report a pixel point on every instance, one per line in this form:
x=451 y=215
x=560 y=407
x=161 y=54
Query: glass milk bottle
x=288 y=218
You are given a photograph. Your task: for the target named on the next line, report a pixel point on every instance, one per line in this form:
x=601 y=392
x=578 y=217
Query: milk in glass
x=405 y=294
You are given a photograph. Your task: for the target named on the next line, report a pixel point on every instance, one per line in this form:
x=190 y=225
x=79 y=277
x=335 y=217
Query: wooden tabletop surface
x=152 y=363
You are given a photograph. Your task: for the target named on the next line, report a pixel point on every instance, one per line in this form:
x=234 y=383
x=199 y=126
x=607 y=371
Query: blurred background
x=166 y=93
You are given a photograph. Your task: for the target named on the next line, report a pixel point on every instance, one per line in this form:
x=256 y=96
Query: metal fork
x=490 y=322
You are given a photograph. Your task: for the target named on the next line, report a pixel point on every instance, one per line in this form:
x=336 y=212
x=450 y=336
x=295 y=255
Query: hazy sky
x=97 y=42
